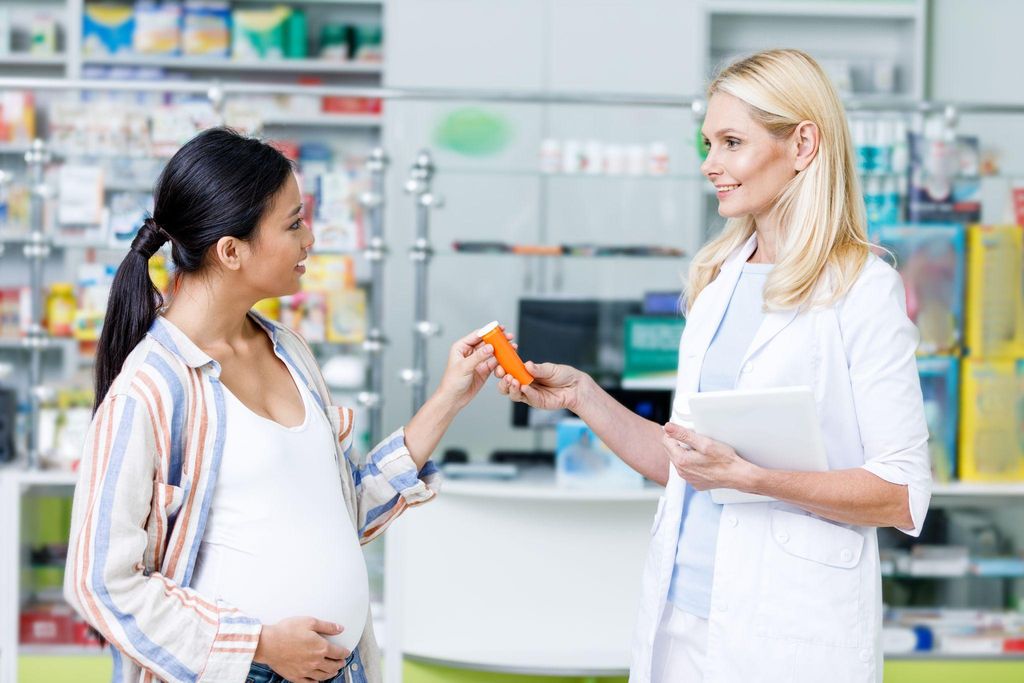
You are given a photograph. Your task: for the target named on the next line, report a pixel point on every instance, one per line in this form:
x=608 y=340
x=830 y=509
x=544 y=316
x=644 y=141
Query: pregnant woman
x=220 y=509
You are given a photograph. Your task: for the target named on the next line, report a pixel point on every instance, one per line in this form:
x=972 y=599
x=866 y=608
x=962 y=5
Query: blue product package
x=107 y=29
x=582 y=460
x=940 y=387
x=931 y=260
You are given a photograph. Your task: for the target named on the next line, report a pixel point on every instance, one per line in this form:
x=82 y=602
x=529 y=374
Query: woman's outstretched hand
x=470 y=363
x=554 y=386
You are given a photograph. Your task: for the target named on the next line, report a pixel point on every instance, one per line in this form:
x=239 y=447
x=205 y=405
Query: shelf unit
x=28 y=59
x=854 y=32
x=355 y=134
x=263 y=66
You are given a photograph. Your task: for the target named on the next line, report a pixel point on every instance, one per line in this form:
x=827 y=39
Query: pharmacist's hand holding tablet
x=737 y=432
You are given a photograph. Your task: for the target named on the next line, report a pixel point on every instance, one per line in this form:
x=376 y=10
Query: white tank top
x=279 y=541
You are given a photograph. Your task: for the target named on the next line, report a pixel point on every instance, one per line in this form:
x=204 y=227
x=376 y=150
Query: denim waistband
x=261 y=673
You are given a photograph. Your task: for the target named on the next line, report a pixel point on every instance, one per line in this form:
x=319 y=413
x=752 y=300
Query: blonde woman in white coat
x=789 y=294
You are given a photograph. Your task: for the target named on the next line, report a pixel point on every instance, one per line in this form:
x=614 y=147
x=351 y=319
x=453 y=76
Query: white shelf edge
x=952 y=656
x=14 y=147
x=39 y=477
x=28 y=59
x=229 y=64
x=51 y=343
x=369 y=3
x=325 y=120
x=961 y=488
x=803 y=8
x=650 y=383
x=62 y=651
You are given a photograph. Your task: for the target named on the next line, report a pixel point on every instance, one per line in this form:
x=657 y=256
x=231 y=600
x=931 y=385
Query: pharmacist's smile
x=725 y=190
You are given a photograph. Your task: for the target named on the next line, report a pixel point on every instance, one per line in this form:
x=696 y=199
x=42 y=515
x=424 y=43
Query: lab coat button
x=732 y=520
x=749 y=367
x=782 y=538
x=865 y=655
x=846 y=556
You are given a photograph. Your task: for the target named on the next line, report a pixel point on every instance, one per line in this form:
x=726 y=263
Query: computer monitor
x=589 y=335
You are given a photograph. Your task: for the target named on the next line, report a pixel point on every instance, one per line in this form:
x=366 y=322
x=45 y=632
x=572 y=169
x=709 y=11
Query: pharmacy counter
x=518 y=576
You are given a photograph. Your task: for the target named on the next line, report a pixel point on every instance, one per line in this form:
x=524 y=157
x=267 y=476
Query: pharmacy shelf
x=13 y=147
x=45 y=343
x=945 y=577
x=367 y=3
x=949 y=656
x=976 y=489
x=324 y=120
x=797 y=8
x=117 y=185
x=26 y=59
x=694 y=176
x=36 y=477
x=225 y=64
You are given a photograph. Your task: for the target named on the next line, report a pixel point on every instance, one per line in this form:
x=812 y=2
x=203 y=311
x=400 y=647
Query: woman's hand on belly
x=297 y=650
x=705 y=463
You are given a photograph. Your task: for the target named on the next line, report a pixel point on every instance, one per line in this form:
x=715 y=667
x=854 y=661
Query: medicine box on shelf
x=995 y=291
x=930 y=259
x=992 y=427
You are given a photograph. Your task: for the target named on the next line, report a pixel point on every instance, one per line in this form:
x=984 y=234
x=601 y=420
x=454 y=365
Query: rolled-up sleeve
x=388 y=482
x=881 y=344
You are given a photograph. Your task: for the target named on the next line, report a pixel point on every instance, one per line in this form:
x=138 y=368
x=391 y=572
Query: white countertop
x=538 y=483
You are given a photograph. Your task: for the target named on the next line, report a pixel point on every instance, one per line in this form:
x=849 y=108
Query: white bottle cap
x=487 y=328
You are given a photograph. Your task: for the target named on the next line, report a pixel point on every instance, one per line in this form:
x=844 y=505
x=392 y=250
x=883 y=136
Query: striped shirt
x=146 y=479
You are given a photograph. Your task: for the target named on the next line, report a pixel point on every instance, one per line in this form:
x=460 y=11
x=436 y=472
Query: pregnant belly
x=328 y=584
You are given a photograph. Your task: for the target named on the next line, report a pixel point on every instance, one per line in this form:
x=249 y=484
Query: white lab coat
x=796 y=597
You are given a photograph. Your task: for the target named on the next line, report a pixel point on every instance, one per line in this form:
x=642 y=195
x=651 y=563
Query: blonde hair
x=820 y=211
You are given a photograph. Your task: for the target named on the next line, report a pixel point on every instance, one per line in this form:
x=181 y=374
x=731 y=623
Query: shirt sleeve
x=388 y=483
x=881 y=343
x=166 y=629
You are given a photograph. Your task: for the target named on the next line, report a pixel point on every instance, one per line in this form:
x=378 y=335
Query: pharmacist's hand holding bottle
x=554 y=386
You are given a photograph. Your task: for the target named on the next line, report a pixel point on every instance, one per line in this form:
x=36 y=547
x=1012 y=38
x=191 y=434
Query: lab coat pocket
x=810 y=587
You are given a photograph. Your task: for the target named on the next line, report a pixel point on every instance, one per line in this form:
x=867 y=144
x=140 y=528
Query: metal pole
x=419 y=184
x=36 y=250
x=375 y=252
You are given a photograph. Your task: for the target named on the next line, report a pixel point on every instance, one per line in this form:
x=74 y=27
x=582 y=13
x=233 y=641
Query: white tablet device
x=772 y=428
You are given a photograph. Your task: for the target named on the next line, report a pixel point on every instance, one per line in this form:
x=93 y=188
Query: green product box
x=296 y=35
x=652 y=347
x=261 y=33
x=47 y=520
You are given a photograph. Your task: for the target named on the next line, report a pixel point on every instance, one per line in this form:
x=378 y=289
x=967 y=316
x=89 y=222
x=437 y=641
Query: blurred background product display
x=537 y=163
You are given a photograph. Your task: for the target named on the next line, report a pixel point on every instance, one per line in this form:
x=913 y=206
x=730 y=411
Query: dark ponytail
x=219 y=184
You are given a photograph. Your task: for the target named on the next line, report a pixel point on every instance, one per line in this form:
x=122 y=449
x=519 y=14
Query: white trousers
x=679 y=647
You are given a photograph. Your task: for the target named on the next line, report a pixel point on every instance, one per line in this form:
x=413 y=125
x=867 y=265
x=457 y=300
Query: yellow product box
x=995 y=291
x=346 y=316
x=992 y=420
x=328 y=272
